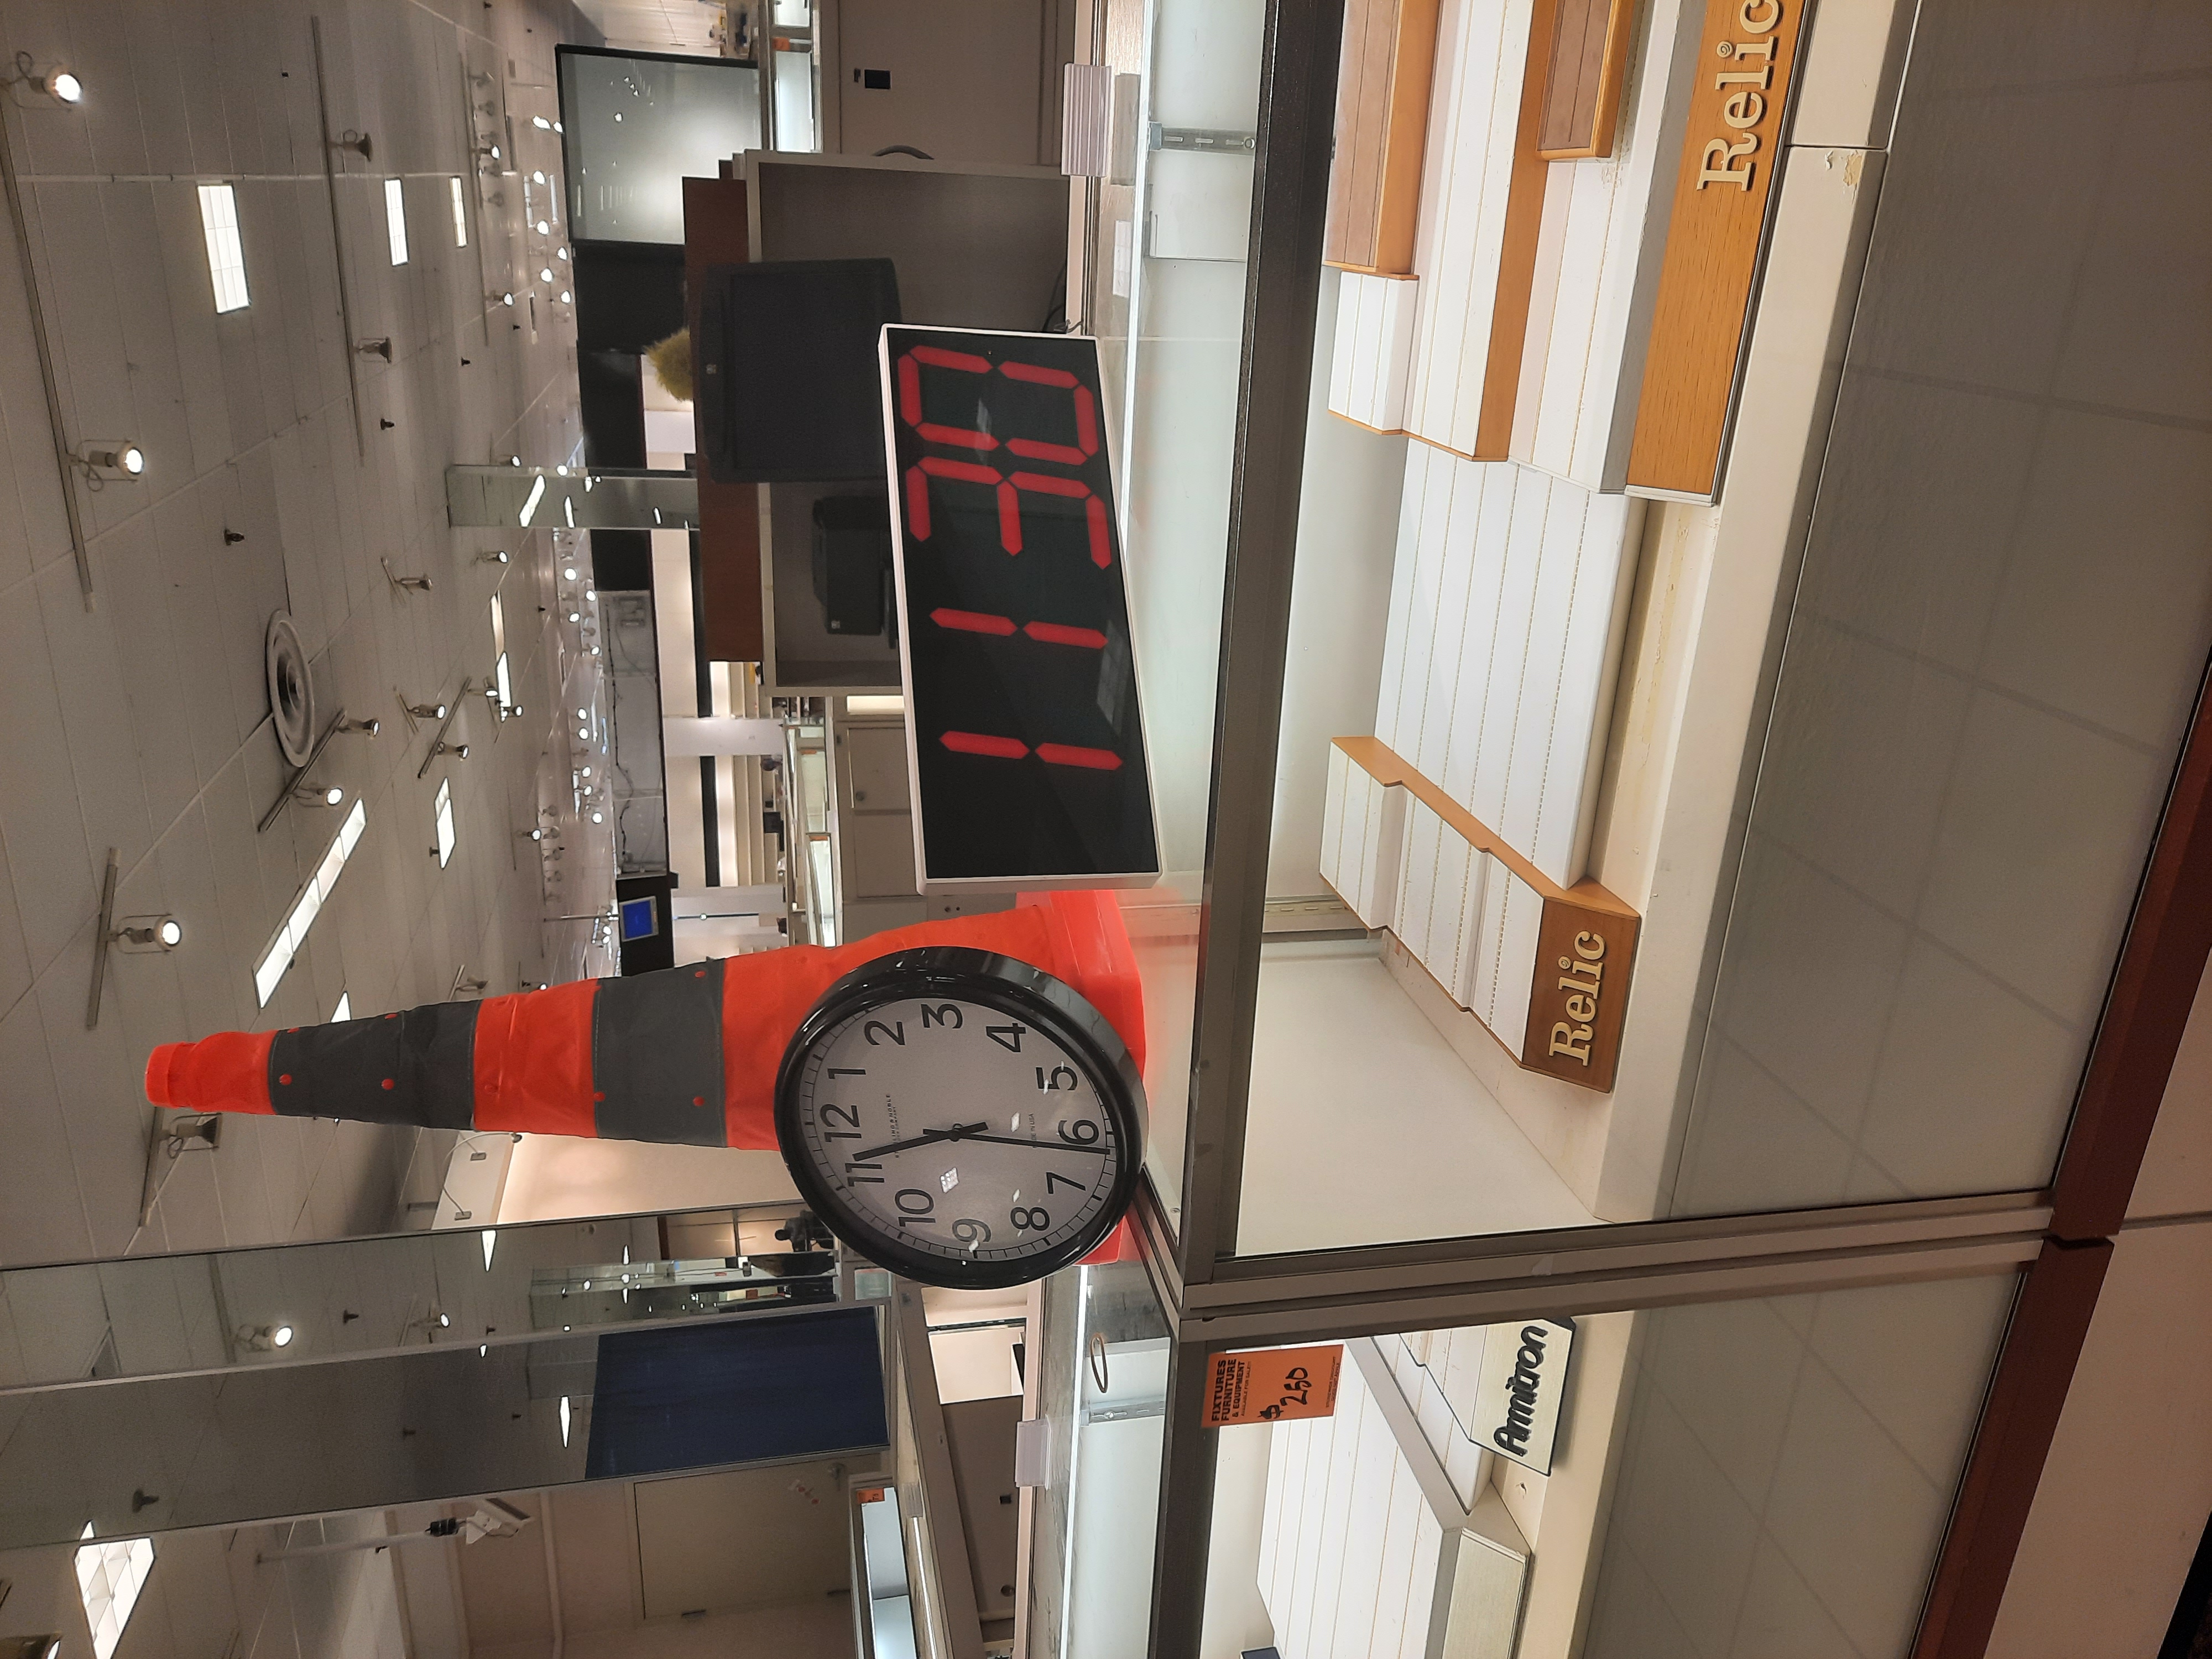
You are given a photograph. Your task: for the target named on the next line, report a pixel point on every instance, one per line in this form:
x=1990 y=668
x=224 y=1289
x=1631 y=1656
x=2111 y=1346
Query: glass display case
x=1585 y=909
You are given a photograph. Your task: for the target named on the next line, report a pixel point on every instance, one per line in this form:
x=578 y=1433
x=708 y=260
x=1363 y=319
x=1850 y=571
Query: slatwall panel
x=1608 y=224
x=1498 y=674
x=1363 y=830
x=1482 y=48
x=1373 y=350
x=1440 y=889
x=1349 y=1550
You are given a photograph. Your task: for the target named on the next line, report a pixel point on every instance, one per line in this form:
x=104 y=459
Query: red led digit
x=1086 y=416
x=966 y=362
x=909 y=386
x=974 y=621
x=1059 y=634
x=917 y=497
x=1066 y=754
x=974 y=743
x=917 y=504
x=1094 y=510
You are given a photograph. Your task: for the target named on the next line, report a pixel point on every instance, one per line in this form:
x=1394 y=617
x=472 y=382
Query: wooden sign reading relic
x=1747 y=65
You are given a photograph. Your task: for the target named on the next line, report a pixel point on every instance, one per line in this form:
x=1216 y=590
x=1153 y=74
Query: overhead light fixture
x=568 y=573
x=498 y=557
x=564 y=1398
x=560 y=252
x=225 y=254
x=543 y=228
x=367 y=728
x=490 y=1244
x=427 y=711
x=265 y=1339
x=159 y=933
x=112 y=458
x=292 y=932
x=598 y=818
x=395 y=219
x=307 y=795
x=565 y=297
x=541 y=123
x=458 y=750
x=460 y=215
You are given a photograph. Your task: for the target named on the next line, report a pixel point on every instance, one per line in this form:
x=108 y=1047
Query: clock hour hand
x=957 y=1132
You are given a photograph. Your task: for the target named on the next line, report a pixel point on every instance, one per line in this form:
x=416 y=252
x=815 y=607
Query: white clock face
x=956 y=1131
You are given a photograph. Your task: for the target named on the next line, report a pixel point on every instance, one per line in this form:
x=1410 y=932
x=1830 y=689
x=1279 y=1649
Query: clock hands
x=971 y=1132
x=957 y=1132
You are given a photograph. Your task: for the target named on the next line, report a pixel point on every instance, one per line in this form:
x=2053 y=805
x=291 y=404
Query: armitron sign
x=1746 y=64
x=1519 y=1389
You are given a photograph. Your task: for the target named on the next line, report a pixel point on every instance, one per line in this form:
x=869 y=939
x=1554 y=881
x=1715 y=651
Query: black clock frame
x=1011 y=987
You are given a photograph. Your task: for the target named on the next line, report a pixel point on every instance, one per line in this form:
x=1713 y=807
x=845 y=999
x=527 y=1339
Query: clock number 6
x=1074 y=1134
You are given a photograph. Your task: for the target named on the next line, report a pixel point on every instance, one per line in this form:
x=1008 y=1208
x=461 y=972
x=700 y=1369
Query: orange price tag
x=1273 y=1386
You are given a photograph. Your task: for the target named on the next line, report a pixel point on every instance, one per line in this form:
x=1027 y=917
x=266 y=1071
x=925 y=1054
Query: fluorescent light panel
x=395 y=220
x=445 y=811
x=293 y=934
x=343 y=1011
x=460 y=215
x=109 y=1576
x=226 y=253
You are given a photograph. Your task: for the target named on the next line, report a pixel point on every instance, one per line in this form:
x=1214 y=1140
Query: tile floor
x=141 y=722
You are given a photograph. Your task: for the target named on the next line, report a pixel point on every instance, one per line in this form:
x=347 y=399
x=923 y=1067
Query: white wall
x=2128 y=1480
x=1339 y=606
x=555 y=1177
x=2121 y=1506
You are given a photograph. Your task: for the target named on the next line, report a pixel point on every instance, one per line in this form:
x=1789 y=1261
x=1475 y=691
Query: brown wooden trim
x=1412 y=71
x=714 y=232
x=1516 y=261
x=1382 y=128
x=1382 y=763
x=2160 y=965
x=1724 y=193
x=1589 y=67
x=2034 y=1370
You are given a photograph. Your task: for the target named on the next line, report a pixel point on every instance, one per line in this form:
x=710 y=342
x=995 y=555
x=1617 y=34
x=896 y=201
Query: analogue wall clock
x=961 y=1117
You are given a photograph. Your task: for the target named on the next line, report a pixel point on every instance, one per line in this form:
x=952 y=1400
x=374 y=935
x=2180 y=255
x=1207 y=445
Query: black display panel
x=1023 y=730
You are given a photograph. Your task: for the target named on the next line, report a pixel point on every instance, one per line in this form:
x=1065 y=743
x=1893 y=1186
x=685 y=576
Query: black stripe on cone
x=415 y=1067
x=657 y=1056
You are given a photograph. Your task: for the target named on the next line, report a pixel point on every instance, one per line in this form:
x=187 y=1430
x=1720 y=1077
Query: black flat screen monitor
x=1025 y=738
x=787 y=381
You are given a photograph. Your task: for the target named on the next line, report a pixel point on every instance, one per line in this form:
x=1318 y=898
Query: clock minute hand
x=957 y=1132
x=1037 y=1146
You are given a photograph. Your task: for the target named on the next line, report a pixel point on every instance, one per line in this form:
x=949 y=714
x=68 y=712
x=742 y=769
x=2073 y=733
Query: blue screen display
x=640 y=917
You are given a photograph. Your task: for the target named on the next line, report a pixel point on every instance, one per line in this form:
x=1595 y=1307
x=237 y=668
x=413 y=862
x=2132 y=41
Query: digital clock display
x=1023 y=730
